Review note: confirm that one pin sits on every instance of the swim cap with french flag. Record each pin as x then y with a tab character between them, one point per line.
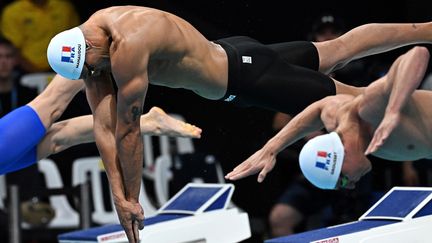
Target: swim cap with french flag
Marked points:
321	160
66	53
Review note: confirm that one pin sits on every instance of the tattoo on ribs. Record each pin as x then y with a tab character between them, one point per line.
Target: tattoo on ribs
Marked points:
136	113
414	26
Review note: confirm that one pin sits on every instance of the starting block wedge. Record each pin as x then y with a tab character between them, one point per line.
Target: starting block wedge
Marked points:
404	214
197	213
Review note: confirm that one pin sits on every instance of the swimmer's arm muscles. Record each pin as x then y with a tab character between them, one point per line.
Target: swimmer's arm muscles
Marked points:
100	95
307	121
401	84
129	69
130	98
404	77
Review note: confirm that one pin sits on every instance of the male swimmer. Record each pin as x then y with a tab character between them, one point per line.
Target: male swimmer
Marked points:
122	42
390	119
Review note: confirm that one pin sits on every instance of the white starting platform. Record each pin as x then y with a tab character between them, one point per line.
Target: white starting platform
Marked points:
197	213
404	214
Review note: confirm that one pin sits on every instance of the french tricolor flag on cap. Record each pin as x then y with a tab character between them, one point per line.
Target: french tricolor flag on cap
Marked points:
66	55
321	161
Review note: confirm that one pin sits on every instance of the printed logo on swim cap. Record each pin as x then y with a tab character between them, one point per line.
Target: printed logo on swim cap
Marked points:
322	160
68	54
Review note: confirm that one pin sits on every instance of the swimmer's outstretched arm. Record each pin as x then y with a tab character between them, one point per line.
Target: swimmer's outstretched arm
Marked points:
309	120
79	130
101	98
370	39
392	92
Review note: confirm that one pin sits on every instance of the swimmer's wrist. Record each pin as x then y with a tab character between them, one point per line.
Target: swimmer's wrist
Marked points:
272	147
118	197
392	110
132	199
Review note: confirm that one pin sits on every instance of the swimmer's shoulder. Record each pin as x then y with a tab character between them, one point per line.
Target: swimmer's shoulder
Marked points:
336	101
126	9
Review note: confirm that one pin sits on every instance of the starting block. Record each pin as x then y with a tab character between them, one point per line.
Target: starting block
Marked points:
404	214
197	213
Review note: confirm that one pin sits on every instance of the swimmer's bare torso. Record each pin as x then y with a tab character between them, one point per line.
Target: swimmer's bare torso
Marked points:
158	45
409	141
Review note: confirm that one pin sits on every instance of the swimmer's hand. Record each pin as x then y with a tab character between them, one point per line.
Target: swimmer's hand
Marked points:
131	216
383	131
263	160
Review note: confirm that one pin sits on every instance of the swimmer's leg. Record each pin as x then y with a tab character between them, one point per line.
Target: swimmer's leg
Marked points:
78	130
52	102
64	134
20	131
370	39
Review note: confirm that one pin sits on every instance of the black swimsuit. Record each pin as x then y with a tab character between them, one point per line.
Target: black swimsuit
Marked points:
282	77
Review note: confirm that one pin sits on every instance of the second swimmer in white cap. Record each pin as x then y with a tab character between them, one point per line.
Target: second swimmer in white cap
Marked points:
387	119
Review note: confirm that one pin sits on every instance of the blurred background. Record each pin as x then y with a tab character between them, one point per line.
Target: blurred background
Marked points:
231	134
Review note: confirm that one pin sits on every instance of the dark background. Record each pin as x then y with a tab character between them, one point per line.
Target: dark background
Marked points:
231	133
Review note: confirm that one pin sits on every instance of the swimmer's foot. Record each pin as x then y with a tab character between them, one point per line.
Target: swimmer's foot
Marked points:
157	122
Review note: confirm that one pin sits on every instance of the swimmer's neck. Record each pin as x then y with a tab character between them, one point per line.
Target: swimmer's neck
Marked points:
97	38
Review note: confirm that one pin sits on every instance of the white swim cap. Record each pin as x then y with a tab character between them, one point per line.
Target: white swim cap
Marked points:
66	53
321	160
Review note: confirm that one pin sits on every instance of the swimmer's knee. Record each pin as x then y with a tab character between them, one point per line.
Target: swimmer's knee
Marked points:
333	55
47	109
59	140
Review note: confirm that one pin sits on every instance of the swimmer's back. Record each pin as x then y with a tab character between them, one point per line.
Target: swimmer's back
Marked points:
128	22
179	55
